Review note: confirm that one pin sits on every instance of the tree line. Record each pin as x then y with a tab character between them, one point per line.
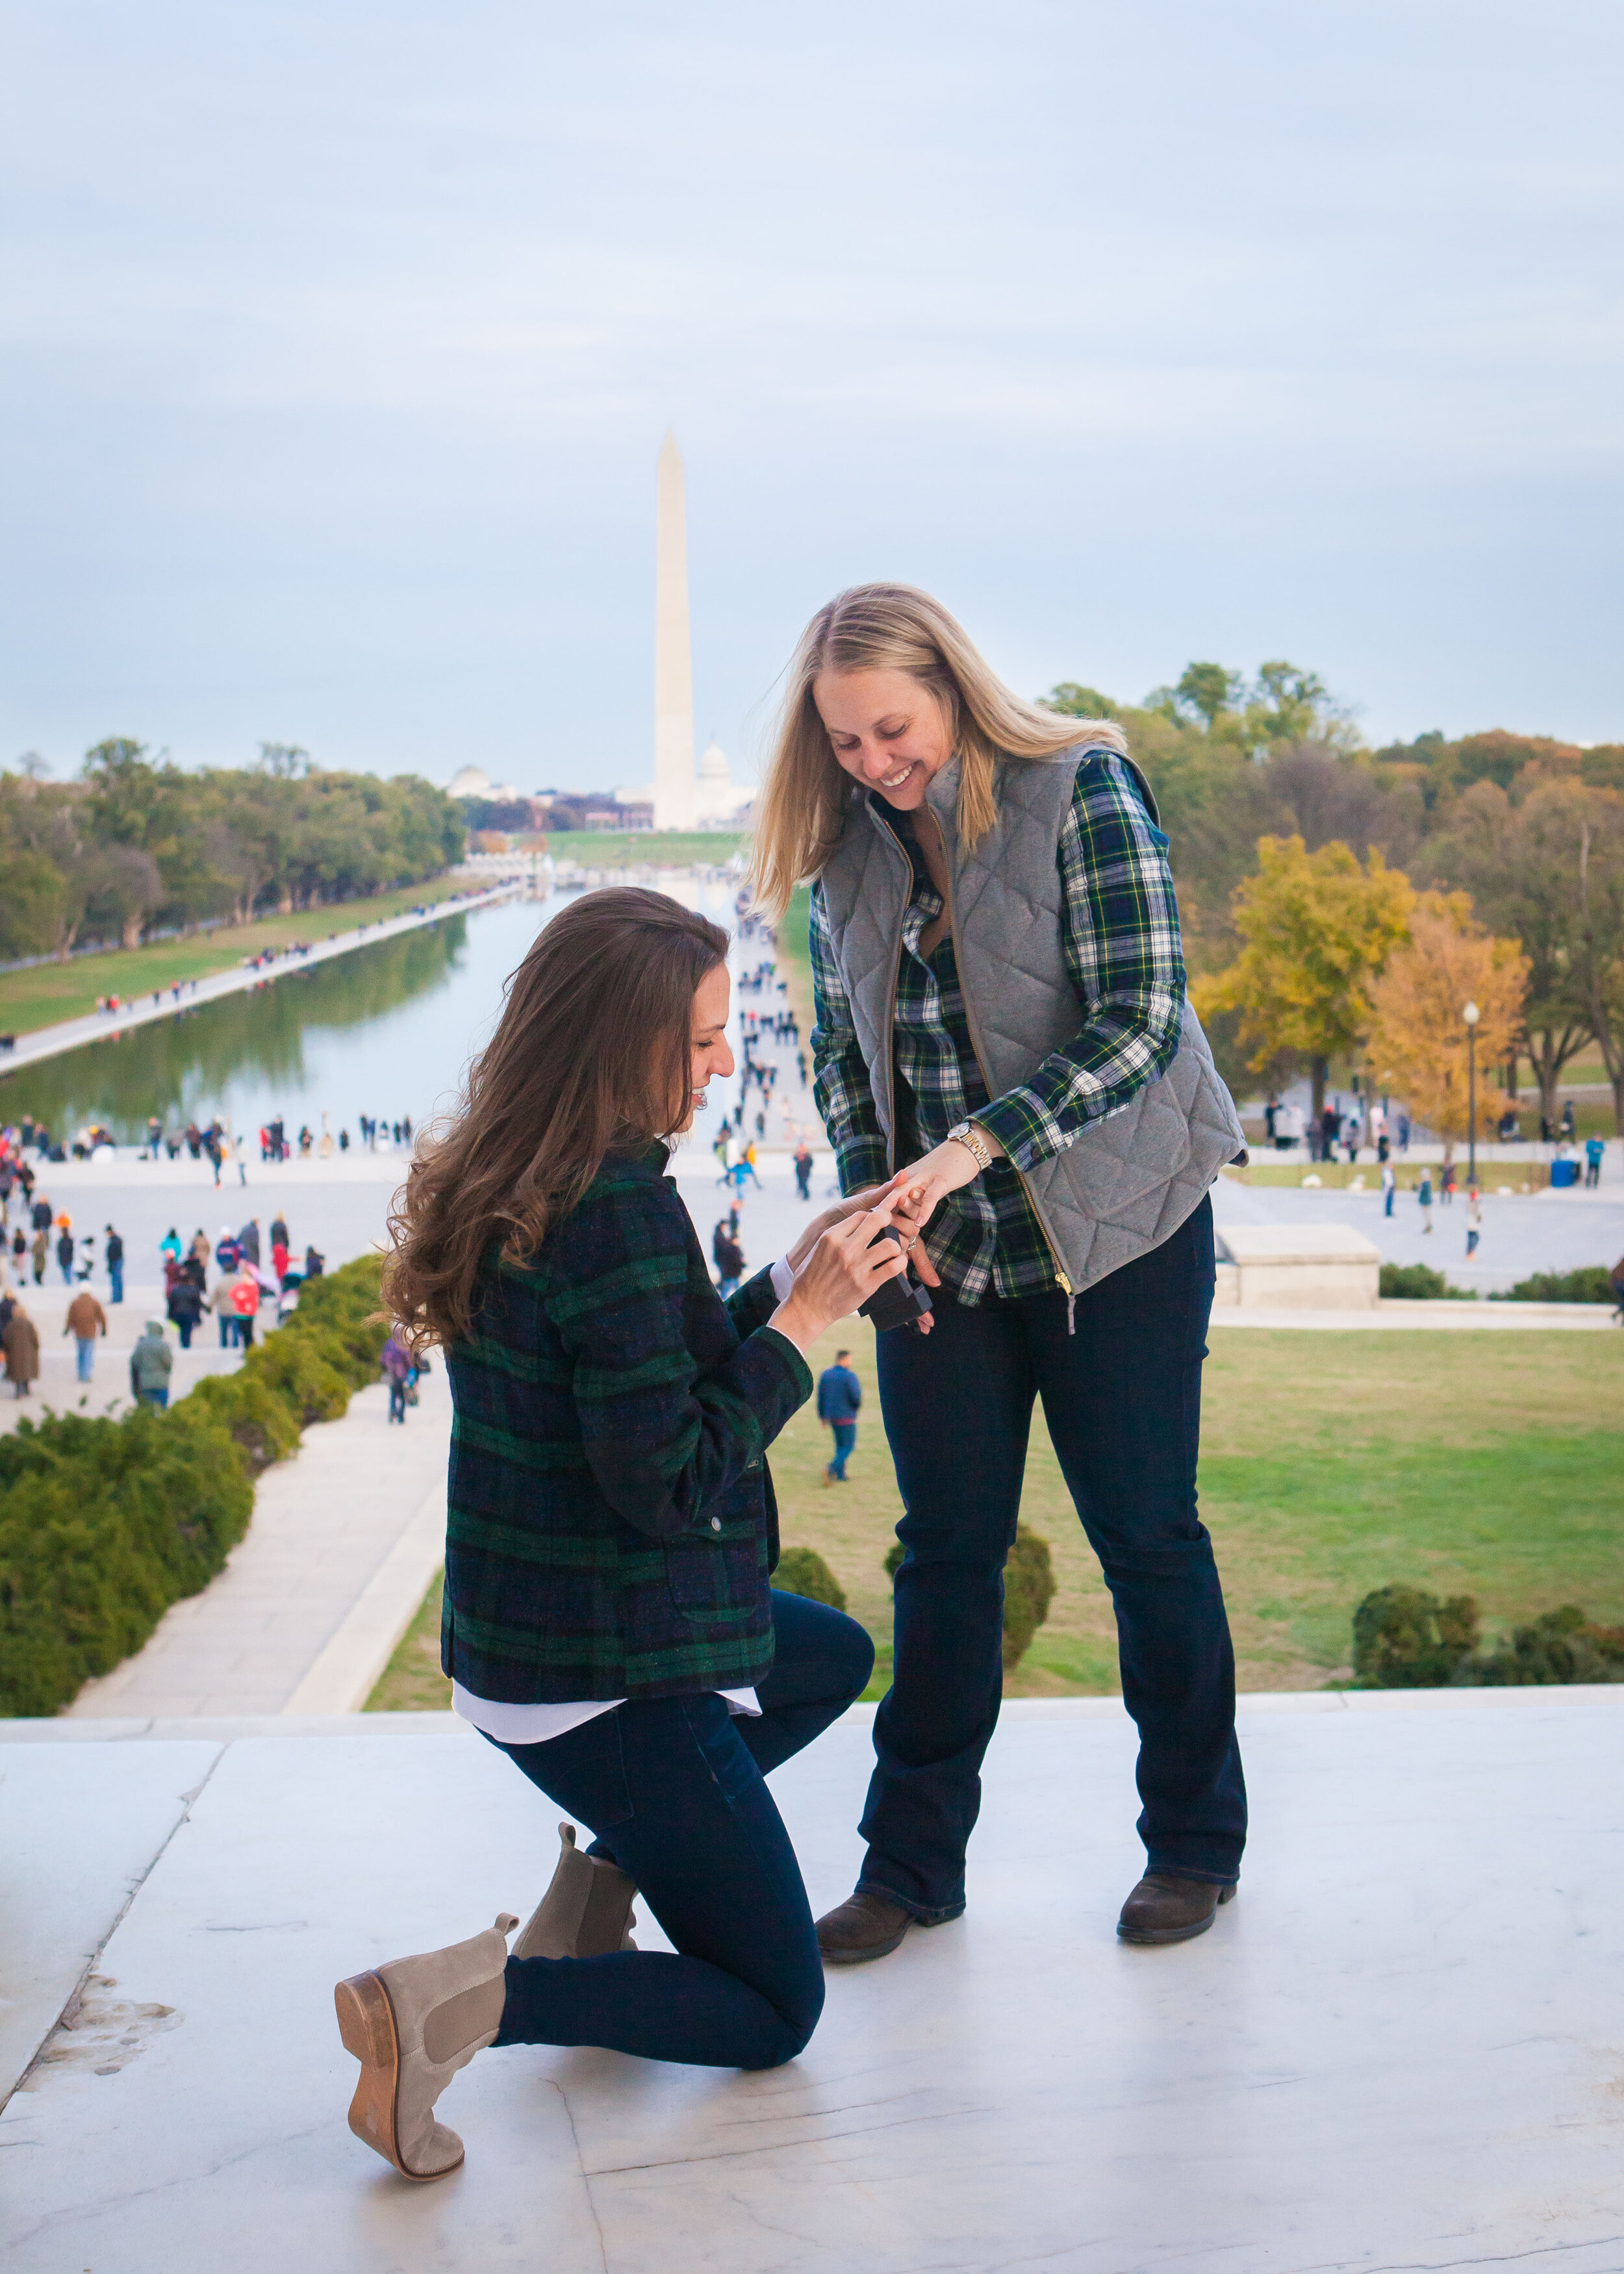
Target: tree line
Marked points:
137	845
1341	903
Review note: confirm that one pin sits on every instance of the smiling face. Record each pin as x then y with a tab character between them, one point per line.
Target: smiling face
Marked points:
708	1050
887	729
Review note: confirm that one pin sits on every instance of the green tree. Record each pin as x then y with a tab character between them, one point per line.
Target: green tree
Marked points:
1518	863
1317	930
1073	701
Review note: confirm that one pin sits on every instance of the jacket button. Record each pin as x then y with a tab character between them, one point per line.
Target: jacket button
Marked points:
715	1523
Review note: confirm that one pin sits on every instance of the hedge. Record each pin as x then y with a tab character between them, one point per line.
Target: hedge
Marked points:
1590	1283
802	1572
1419	1282
1404	1639
104	1523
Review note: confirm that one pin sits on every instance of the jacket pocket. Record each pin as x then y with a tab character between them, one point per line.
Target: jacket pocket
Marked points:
719	1581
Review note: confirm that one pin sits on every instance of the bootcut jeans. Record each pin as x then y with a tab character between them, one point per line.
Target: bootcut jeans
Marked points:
673	1788
1121	1398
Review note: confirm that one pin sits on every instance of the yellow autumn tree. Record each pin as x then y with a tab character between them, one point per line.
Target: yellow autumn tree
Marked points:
1417	1044
1318	928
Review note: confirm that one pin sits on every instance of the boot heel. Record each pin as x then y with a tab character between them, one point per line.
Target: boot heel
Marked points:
366	2024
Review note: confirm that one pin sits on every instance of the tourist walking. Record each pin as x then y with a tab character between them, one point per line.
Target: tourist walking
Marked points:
608	1620
64	1254
1595	1149
1389	1187
150	1364
85	1320
245	1303
729	1257
803	1171
39	1255
395	1360
115	1253
1061	1121
222	1303
840	1394
185	1305
1425	1197
21	1343
1474	1220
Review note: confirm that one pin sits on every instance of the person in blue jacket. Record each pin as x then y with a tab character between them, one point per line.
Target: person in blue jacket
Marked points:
840	1394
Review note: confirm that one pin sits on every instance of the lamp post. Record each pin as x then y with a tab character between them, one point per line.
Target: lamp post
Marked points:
1472	1015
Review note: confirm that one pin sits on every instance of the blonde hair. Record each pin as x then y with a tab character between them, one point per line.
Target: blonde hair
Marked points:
805	794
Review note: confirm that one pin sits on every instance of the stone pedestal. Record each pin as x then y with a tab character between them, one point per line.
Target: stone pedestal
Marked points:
1281	1267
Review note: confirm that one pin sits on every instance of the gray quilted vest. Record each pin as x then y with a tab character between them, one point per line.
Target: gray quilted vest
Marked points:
1128	1182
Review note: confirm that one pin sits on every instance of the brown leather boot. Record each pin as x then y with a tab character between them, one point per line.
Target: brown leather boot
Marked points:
866	1925
587	1910
1163	1909
412	2024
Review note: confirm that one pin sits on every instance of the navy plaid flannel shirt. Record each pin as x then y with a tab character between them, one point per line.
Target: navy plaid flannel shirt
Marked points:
1124	952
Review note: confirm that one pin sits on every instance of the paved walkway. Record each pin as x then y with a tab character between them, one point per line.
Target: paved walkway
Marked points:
345	1538
71	1034
1394	2050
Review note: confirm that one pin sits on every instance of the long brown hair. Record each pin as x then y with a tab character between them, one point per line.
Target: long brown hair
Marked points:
895	628
591	1055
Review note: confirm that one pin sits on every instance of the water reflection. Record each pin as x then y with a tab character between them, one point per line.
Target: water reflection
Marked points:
307	1044
385	1030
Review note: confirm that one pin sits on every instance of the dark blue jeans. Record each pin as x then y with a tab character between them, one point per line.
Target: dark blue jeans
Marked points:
1121	1398
673	1787
846	1440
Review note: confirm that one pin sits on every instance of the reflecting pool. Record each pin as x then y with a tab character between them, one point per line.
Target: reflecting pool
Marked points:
385	1030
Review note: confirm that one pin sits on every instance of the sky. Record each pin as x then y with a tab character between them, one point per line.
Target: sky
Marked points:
339	339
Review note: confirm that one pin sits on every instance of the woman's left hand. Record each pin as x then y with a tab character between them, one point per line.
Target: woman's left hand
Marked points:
920	1190
907	1218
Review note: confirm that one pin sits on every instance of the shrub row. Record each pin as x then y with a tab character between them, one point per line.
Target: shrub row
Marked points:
1590	1283
1419	1282
1404	1639
104	1523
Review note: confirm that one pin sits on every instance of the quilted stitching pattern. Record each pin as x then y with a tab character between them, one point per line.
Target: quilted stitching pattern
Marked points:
1127	1183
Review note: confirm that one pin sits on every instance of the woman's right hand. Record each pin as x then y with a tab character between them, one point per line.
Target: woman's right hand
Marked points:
849	1263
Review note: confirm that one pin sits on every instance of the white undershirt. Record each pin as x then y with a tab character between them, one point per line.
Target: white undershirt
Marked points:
535	1725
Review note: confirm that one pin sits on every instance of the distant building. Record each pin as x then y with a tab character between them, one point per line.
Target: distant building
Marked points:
474	782
718	802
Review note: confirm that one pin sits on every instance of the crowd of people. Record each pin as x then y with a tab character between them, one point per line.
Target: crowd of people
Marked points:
249	1271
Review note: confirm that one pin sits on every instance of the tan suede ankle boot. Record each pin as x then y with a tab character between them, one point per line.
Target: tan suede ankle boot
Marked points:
412	2024
587	1910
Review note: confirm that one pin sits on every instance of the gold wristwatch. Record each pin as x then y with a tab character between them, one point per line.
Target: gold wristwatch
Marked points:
967	1135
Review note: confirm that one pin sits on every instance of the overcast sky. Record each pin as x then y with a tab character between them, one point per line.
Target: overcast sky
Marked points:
341	338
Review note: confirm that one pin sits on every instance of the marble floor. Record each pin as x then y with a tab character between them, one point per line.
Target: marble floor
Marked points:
1402	2048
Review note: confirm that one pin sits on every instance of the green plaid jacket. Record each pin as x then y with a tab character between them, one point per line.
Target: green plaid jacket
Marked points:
612	1522
1124	952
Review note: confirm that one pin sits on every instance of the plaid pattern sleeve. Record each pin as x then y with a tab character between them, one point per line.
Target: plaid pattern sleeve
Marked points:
839	1077
665	1439
1120	925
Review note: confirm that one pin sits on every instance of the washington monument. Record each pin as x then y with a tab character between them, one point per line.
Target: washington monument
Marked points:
674	654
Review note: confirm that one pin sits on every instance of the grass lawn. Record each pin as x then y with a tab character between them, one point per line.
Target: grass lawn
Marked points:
48	992
646	848
1486	1465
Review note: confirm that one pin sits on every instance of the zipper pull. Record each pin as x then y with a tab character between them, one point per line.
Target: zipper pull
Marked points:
1065	1289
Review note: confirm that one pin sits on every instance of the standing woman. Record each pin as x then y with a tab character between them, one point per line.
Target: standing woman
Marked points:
608	1624
1002	1021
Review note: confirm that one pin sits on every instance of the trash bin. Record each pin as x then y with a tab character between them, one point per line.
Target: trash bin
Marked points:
1564	1172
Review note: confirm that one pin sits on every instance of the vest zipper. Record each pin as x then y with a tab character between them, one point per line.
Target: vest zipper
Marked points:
1042	1221
890	1006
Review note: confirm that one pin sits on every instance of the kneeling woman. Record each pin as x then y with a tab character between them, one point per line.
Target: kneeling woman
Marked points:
608	1621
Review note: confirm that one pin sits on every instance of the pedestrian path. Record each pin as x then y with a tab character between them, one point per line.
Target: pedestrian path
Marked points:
345	1538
